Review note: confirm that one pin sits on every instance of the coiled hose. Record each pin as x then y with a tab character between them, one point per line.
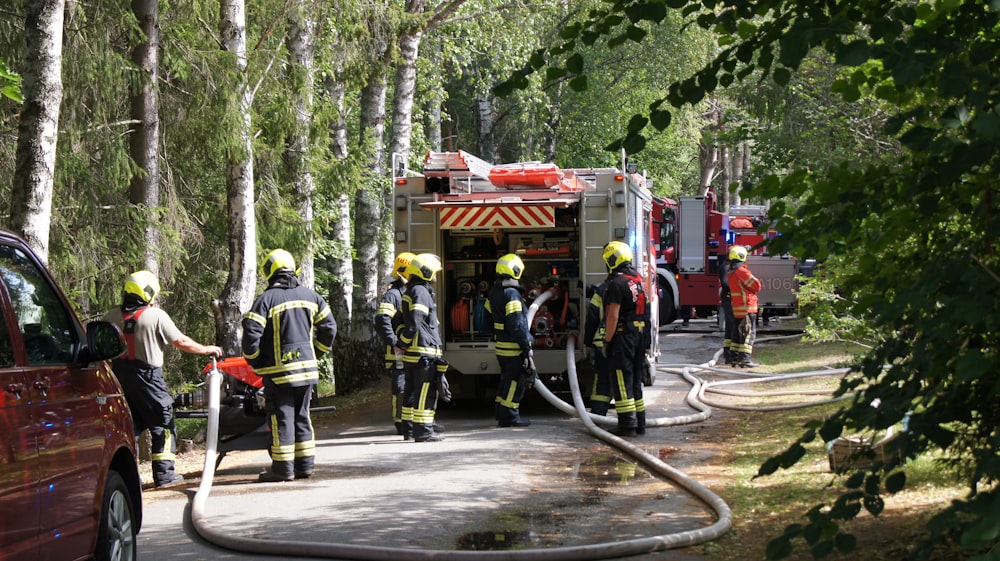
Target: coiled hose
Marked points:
695	398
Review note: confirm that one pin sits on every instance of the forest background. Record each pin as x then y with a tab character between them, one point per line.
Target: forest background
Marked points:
189	137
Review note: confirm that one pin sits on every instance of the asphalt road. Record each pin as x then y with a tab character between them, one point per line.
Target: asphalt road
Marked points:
483	488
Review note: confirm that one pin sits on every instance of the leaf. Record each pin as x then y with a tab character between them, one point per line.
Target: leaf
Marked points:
769	466
895	482
845	543
779	548
574	63
854	53
855	480
873	504
830	430
579	84
537	59
781	76
660	119
634	143
635	33
637	123
553	73
822	549
649	11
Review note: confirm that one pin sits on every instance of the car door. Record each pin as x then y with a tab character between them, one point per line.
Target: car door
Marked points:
19	507
66	414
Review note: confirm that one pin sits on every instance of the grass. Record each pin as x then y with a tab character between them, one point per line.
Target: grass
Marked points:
764	506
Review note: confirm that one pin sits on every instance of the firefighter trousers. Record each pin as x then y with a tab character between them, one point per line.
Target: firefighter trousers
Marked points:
421	389
626	362
152	408
730	330
397	382
510	392
746	332
600	394
293	444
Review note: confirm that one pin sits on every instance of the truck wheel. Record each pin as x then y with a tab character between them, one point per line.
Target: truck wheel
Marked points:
667	311
116	536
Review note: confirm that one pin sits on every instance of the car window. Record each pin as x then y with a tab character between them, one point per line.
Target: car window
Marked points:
41	316
6	345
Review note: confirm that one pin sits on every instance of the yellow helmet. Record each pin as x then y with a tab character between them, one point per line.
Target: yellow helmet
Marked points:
424	265
402	264
142	284
277	260
617	254
737	253
510	265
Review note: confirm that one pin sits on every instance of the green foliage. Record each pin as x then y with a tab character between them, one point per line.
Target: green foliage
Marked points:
911	231
10	83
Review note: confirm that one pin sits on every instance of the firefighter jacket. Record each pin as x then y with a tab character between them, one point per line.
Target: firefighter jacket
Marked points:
624	287
744	288
593	332
389	319
419	334
285	332
510	318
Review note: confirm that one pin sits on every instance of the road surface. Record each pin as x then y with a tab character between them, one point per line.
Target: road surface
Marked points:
483	488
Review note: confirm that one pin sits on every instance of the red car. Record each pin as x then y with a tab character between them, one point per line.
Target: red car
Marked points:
69	480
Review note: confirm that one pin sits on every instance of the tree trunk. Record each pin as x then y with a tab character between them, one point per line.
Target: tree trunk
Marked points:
484	136
339	264
725	177
300	44
144	139
238	293
38	130
368	210
402	101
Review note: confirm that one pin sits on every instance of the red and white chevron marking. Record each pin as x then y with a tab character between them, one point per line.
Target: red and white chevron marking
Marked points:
489	217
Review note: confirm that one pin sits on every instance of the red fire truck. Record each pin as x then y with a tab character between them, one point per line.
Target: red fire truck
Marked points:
692	236
470	212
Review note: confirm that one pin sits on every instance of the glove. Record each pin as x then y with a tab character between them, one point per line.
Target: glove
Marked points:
528	354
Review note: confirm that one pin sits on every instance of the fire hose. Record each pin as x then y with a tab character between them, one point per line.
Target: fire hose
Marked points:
695	398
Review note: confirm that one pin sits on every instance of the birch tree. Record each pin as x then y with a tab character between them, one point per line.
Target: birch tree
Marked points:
238	293
31	196
300	44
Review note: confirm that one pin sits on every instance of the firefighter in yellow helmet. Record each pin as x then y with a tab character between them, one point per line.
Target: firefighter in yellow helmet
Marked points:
148	329
743	289
512	337
626	337
388	322
420	339
285	332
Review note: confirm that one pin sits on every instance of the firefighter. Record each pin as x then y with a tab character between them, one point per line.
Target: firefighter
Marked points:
626	337
148	329
728	320
285	332
513	340
420	340
593	337
743	288
388	320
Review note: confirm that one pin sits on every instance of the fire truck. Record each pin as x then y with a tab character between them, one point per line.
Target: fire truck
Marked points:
470	212
692	235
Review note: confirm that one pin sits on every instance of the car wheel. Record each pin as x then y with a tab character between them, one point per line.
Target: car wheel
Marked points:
116	537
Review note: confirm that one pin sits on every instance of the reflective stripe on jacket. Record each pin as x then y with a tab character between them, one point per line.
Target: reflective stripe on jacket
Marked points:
288	328
419	334
743	288
510	318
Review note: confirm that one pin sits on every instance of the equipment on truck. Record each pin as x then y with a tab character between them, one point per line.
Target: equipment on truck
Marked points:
471	212
693	236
